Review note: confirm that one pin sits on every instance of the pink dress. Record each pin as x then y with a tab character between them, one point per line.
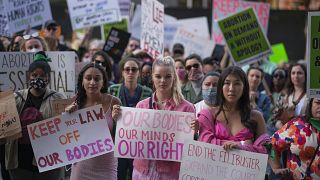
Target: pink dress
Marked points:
102	167
216	133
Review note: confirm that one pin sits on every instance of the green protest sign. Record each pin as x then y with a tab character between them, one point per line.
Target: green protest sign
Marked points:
106	28
279	54
313	54
244	37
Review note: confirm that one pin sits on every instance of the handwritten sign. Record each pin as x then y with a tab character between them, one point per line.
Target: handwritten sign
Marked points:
313	54
152	27
116	43
205	161
152	134
70	138
84	13
14	71
223	8
59	105
244	37
19	15
193	43
10	127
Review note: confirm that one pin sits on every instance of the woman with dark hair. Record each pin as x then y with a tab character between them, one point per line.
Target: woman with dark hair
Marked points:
300	138
30	102
181	71
146	79
91	84
130	93
294	101
105	61
15	43
279	77
232	123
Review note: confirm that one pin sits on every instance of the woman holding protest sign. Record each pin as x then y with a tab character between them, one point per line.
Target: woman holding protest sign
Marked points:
130	93
232	124
33	104
92	82
301	138
167	96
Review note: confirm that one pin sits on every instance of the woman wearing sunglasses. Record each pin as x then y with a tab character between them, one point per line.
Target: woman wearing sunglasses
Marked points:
130	93
33	43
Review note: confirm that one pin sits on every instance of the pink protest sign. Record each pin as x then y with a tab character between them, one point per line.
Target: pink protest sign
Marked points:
223	8
152	134
70	138
204	161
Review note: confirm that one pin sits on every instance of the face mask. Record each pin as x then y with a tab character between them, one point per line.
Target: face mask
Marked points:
209	95
33	50
182	74
38	83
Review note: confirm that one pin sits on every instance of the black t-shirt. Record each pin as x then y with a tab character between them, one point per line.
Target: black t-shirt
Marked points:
25	152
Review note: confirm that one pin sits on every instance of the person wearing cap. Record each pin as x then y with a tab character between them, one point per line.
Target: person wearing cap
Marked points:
37	98
50	30
177	50
192	89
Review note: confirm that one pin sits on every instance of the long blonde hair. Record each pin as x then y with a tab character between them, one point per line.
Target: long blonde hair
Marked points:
176	90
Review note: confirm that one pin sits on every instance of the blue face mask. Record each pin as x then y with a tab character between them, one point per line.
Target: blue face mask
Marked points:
209	95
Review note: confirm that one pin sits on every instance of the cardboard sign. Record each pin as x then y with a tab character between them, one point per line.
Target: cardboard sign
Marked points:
313	55
122	25
14	71
70	138
152	27
116	43
244	37
205	161
279	54
10	127
59	105
19	15
193	43
92	13
152	134
223	8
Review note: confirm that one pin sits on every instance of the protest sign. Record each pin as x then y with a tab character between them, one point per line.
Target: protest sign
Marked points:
279	54
152	134
4	25
244	37
124	7
20	15
14	71
135	23
59	105
10	127
222	8
205	161
70	138
313	55
193	43
116	43
152	27
122	25
93	13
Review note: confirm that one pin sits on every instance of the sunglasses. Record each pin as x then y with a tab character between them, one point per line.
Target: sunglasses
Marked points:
134	70
196	66
280	76
29	36
51	28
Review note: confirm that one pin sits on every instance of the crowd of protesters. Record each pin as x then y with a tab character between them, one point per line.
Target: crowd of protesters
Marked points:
261	108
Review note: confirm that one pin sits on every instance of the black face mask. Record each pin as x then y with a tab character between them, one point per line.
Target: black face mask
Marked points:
38	83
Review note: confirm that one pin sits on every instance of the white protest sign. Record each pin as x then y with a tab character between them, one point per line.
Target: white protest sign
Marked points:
152	27
197	25
124	7
193	43
70	138
222	8
4	25
135	23
88	13
152	134
205	161
14	69
23	14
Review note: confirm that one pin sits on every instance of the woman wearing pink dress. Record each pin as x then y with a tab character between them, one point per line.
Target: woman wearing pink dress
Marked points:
92	82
